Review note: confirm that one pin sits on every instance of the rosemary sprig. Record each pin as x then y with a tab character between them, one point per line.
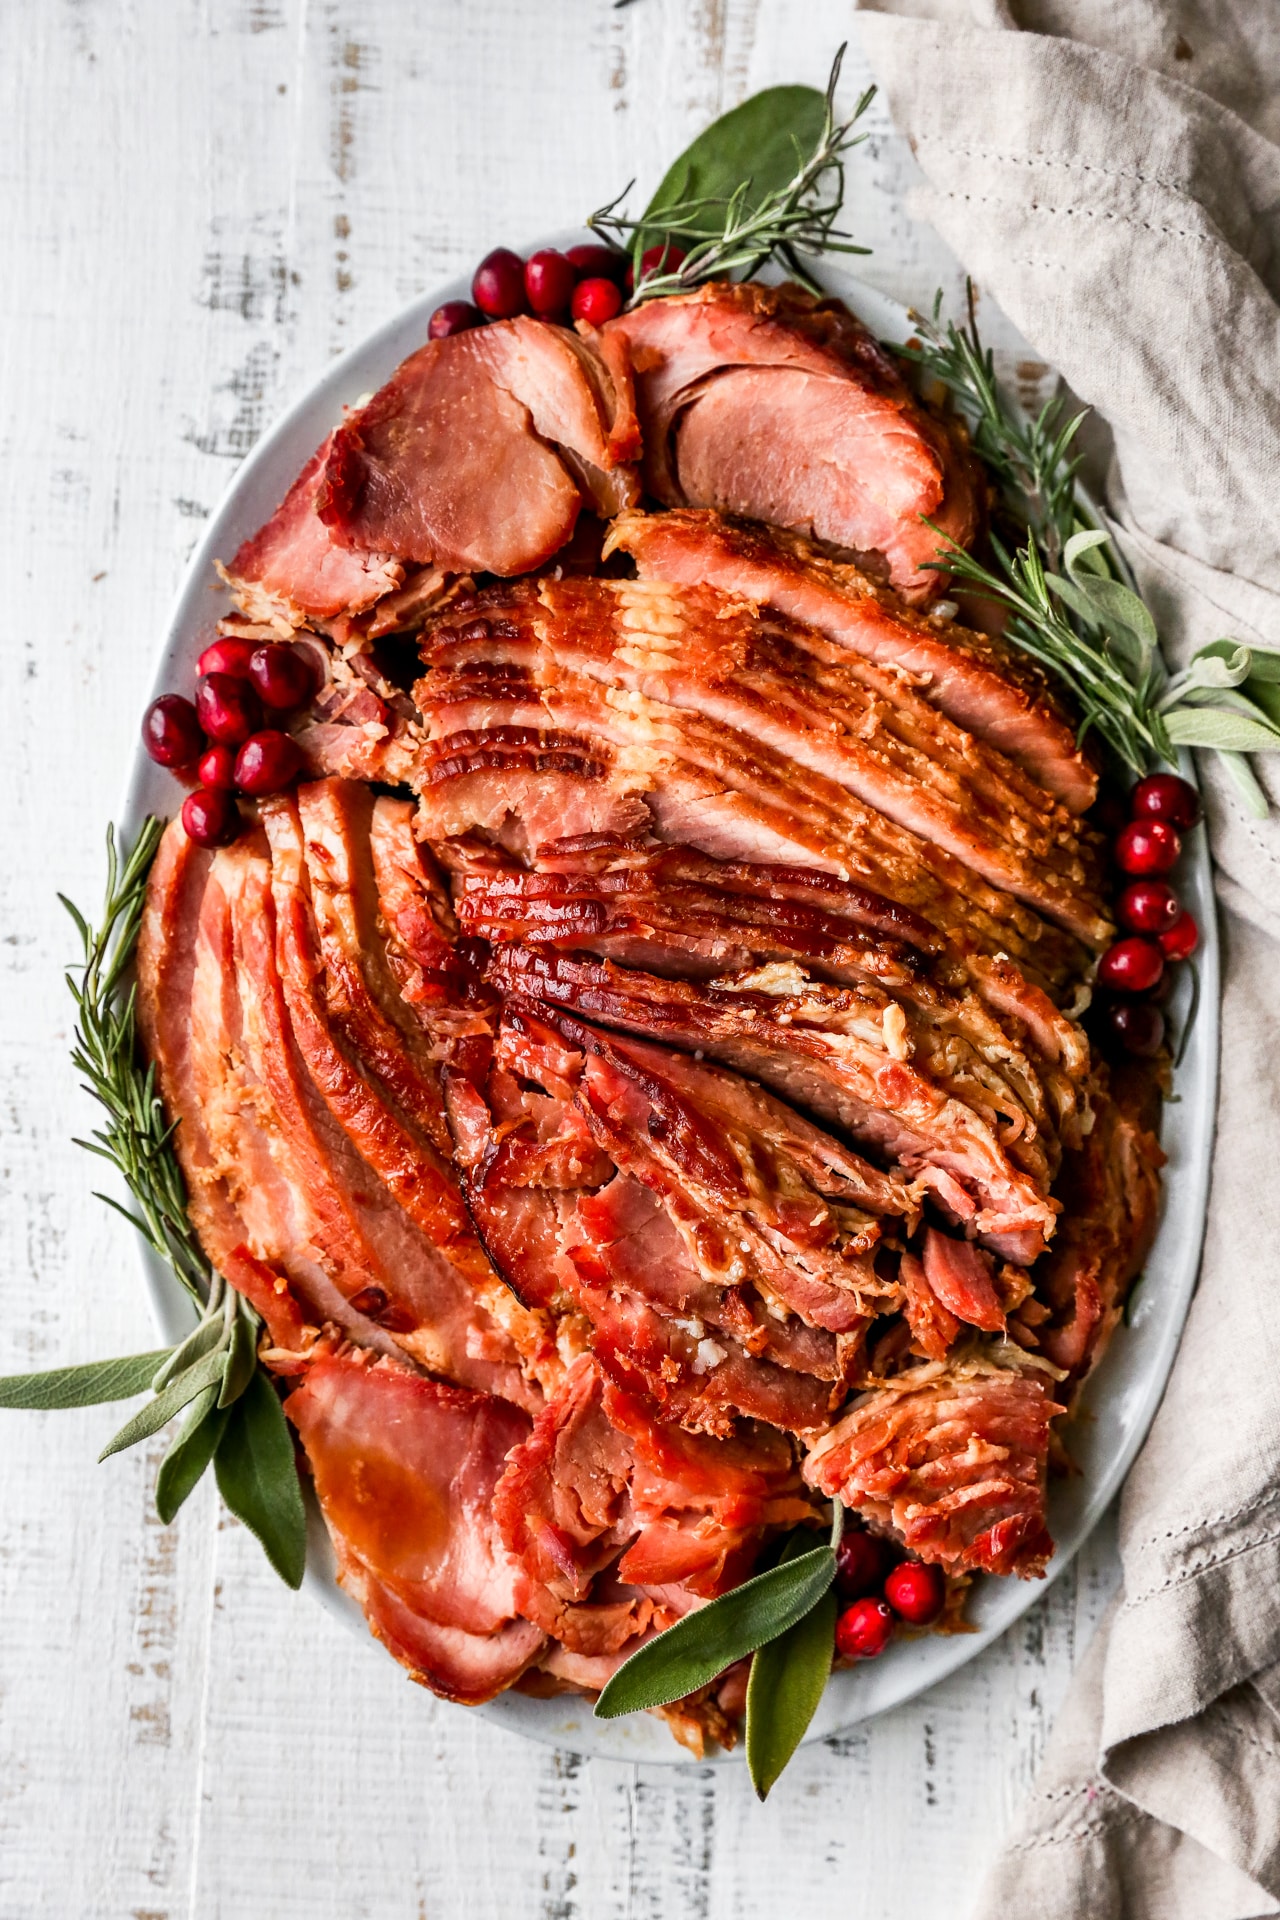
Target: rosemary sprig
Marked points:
235	1418
736	233
1070	609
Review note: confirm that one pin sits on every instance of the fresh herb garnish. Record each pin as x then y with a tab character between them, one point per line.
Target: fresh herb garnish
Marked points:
764	181
235	1418
765	1612
1070	609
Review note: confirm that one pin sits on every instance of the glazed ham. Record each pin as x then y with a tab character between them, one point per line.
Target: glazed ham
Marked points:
405	1470
950	1459
992	692
768	402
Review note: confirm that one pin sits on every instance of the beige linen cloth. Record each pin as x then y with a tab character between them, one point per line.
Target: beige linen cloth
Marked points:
1110	170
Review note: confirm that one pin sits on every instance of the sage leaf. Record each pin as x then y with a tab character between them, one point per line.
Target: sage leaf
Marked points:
192	1450
159	1412
86	1386
1109	604
788	1678
1207	673
1086	540
1264	661
1228	731
759	144
199	1341
242	1358
1247	785
698	1648
258	1477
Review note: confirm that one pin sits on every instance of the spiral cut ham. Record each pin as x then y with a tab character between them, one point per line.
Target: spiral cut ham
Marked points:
637	1075
768	402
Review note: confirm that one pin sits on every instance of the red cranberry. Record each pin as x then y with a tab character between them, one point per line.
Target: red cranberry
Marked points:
596	301
283	677
859	1564
1180	941
1131	966
1163	796
171	731
267	762
916	1592
596	262
229	709
660	259
227	656
1147	846
210	817
217	768
864	1630
1138	1026
498	287
455	316
548	283
1148	906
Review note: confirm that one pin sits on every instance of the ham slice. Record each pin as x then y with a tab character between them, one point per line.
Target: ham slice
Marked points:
477	453
405	1470
293	570
993	692
767	402
950	1458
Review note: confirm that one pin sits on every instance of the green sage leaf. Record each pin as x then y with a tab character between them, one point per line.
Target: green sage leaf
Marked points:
1228	731
699	1648
788	1678
242	1357
86	1386
1246	783
199	1341
1264	661
756	146
192	1450
1086	540
258	1477
159	1412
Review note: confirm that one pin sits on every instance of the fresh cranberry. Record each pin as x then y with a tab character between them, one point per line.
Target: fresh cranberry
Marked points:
227	656
1163	796
455	316
660	259
217	768
498	287
864	1630
548	283
1138	1026
229	709
1148	906
1131	966
597	263
210	817
596	301
1147	846
283	677
916	1592
171	731
859	1564
267	762
1180	941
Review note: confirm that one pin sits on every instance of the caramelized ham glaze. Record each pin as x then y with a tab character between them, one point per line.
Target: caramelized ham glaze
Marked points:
768	402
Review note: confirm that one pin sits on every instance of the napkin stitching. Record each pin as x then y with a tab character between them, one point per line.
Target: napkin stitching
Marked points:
1201	1564
1100	213
1256	1501
1041	158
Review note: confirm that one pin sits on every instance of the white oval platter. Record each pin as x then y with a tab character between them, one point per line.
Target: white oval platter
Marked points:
1121	1399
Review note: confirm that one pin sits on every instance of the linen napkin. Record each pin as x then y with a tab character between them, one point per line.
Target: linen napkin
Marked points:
1109	170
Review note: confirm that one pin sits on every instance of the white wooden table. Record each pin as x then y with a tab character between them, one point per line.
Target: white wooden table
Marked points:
202	201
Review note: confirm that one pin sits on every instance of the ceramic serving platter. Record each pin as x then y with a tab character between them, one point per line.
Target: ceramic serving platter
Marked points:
1122	1396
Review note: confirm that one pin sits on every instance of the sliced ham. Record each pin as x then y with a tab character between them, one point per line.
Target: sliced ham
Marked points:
950	1458
993	692
478	451
405	1470
768	402
293	570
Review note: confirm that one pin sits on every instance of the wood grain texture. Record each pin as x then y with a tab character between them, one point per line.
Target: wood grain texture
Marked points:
204	200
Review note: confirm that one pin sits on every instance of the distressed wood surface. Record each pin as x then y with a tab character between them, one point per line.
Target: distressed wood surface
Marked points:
204	200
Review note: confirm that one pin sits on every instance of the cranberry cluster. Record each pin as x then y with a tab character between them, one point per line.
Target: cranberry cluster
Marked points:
224	737
585	283
881	1594
1135	968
